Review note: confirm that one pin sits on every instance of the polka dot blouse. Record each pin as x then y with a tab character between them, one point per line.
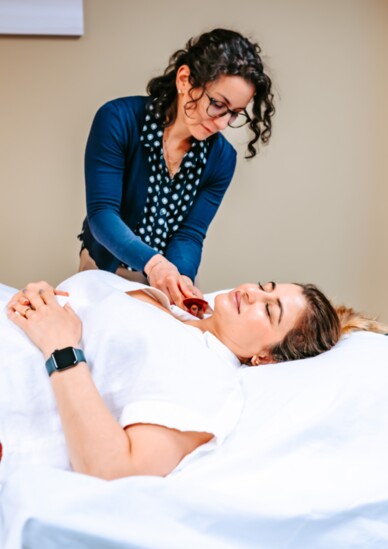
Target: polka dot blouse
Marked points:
169	199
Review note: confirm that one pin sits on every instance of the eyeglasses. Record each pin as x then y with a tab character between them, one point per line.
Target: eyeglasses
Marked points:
216	109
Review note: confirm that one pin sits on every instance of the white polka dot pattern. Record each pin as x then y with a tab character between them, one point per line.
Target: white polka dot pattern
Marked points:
168	199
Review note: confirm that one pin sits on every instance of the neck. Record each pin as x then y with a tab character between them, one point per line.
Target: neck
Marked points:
204	324
176	143
207	325
177	135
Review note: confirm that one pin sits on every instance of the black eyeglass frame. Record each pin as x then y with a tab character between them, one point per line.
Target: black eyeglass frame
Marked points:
233	114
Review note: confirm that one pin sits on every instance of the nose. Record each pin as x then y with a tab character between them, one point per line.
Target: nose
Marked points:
222	121
254	293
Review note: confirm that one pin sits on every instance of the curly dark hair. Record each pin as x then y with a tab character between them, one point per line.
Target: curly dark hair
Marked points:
318	329
220	52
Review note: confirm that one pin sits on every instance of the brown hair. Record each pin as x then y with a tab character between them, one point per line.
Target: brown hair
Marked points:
219	52
320	328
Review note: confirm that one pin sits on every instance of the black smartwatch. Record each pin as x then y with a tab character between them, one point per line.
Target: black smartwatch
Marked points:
63	359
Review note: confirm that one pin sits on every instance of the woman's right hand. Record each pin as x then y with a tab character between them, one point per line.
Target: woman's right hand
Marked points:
163	274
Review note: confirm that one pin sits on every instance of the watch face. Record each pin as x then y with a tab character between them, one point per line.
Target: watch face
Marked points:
64	358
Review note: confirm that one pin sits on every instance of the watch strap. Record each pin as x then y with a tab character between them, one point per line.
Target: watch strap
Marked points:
56	362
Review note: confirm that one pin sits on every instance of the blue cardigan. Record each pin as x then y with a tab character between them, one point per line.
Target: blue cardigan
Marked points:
117	172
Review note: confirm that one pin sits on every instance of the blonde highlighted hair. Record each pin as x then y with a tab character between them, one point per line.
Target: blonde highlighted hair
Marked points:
351	320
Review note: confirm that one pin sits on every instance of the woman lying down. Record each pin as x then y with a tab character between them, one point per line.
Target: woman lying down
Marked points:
116	382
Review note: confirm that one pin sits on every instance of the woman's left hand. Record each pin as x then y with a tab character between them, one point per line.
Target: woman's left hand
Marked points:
49	325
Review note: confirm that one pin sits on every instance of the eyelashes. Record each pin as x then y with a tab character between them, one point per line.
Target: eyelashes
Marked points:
273	286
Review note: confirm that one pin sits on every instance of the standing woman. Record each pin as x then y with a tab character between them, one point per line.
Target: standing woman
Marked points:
157	167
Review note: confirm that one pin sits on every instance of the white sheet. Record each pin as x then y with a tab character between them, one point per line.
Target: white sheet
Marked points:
305	468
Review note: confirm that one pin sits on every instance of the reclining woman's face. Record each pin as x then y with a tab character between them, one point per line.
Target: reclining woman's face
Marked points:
252	318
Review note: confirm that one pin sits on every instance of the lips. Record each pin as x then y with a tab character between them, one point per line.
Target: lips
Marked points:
207	129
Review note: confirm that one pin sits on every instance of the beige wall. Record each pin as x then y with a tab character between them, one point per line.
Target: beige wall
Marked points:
311	207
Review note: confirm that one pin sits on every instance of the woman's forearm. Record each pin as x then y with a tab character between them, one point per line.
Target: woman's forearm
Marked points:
111	232
97	444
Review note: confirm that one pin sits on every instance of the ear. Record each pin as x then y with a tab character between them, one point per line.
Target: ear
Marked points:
182	79
259	360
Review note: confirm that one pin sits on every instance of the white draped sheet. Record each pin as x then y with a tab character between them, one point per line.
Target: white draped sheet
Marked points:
305	468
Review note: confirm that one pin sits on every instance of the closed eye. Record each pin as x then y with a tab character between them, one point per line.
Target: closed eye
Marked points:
271	288
218	104
268	287
221	106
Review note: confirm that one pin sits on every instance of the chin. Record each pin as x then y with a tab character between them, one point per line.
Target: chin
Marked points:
200	133
220	300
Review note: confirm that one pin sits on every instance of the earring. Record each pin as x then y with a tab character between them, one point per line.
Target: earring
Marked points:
179	92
